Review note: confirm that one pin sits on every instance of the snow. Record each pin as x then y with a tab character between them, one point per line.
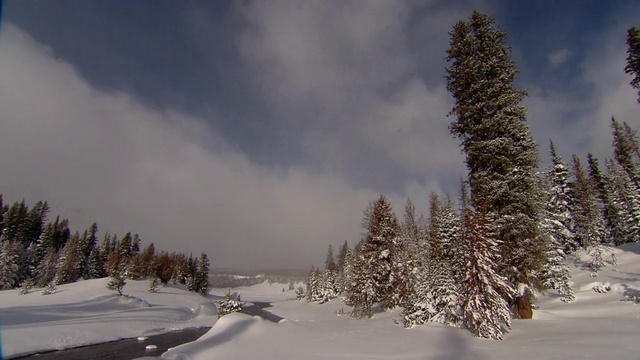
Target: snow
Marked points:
595	326
86	312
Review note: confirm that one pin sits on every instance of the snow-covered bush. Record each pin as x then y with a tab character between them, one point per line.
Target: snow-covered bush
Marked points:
49	289
25	286
231	303
154	282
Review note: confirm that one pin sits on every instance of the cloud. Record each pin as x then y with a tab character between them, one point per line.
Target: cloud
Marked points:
105	157
346	82
559	57
577	117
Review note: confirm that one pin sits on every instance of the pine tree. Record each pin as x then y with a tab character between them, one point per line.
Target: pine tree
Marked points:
192	280
623	151
557	210
633	58
615	227
70	263
624	204
375	261
61	233
8	266
448	235
202	276
46	270
444	290
484	307
553	231
345	277
417	307
342	256
362	293
632	138
588	217
85	247
154	282
95	265
501	154
15	223
115	269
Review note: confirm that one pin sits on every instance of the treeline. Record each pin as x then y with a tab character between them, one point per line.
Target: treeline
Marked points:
35	252
480	262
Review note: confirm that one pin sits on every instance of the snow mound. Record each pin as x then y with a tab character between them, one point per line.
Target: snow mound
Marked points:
225	330
208	309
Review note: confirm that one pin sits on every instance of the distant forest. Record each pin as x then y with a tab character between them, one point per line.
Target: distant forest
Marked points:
36	252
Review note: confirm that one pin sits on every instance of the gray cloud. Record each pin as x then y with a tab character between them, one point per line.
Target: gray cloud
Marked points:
580	124
105	157
559	57
344	77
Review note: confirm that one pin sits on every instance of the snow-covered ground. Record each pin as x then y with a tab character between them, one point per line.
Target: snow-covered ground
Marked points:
595	326
87	313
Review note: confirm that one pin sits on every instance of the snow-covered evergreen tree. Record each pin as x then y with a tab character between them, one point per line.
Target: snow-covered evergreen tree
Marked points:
485	309
231	303
202	277
501	154
95	265
313	285
154	282
8	266
375	260
625	203
623	144
633	58
70	262
448	235
417	307
444	293
46	270
115	269
615	226
588	216
362	293
558	203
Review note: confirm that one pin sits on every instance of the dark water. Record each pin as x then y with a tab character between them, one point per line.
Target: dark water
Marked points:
257	309
125	349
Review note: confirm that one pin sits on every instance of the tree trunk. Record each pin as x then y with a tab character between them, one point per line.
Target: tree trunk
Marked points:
524	309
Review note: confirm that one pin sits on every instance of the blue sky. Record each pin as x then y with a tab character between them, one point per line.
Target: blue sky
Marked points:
258	131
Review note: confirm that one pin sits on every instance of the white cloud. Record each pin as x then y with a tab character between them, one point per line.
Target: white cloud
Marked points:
105	157
559	57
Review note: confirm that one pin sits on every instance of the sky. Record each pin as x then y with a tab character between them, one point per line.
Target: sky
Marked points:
258	131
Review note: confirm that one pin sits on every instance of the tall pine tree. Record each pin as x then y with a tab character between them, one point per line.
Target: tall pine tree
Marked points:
501	154
633	58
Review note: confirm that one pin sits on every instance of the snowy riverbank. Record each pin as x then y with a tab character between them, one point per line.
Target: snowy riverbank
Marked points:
597	325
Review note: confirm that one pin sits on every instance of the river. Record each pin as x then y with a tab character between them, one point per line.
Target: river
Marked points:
127	349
